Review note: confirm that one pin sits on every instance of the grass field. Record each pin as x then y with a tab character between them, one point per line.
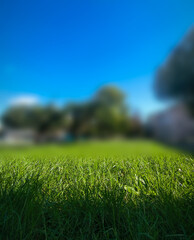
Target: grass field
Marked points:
96	190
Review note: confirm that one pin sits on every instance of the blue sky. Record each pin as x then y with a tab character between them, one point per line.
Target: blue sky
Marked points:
62	50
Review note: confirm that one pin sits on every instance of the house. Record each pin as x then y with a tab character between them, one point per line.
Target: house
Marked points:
55	136
18	136
174	126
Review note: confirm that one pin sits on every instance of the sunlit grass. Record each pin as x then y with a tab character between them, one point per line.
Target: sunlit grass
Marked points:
96	190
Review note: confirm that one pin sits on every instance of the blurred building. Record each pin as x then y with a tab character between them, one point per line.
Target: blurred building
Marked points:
174	126
30	136
52	136
18	136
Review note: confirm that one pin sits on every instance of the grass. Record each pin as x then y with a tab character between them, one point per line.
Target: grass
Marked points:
97	190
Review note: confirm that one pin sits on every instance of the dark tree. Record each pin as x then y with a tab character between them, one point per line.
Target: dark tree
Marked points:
41	119
175	78
102	116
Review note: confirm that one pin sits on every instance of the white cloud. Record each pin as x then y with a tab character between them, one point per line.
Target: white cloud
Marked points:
26	100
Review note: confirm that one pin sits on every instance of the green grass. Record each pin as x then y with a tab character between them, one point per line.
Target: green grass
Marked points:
97	190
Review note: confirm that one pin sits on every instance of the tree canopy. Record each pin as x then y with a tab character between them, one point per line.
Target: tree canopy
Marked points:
37	117
175	78
105	114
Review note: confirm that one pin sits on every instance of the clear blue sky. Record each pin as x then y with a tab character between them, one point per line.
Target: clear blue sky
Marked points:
61	50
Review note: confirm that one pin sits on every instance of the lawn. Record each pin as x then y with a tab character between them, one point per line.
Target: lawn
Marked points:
96	190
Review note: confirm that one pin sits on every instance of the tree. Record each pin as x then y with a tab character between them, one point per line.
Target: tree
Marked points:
41	119
175	78
102	116
110	95
110	111
18	117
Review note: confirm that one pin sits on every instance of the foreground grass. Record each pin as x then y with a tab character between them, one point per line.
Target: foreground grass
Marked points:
112	190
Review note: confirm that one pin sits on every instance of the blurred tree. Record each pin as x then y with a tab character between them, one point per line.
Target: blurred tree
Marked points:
110	112
18	117
50	119
39	118
103	116
110	95
175	78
